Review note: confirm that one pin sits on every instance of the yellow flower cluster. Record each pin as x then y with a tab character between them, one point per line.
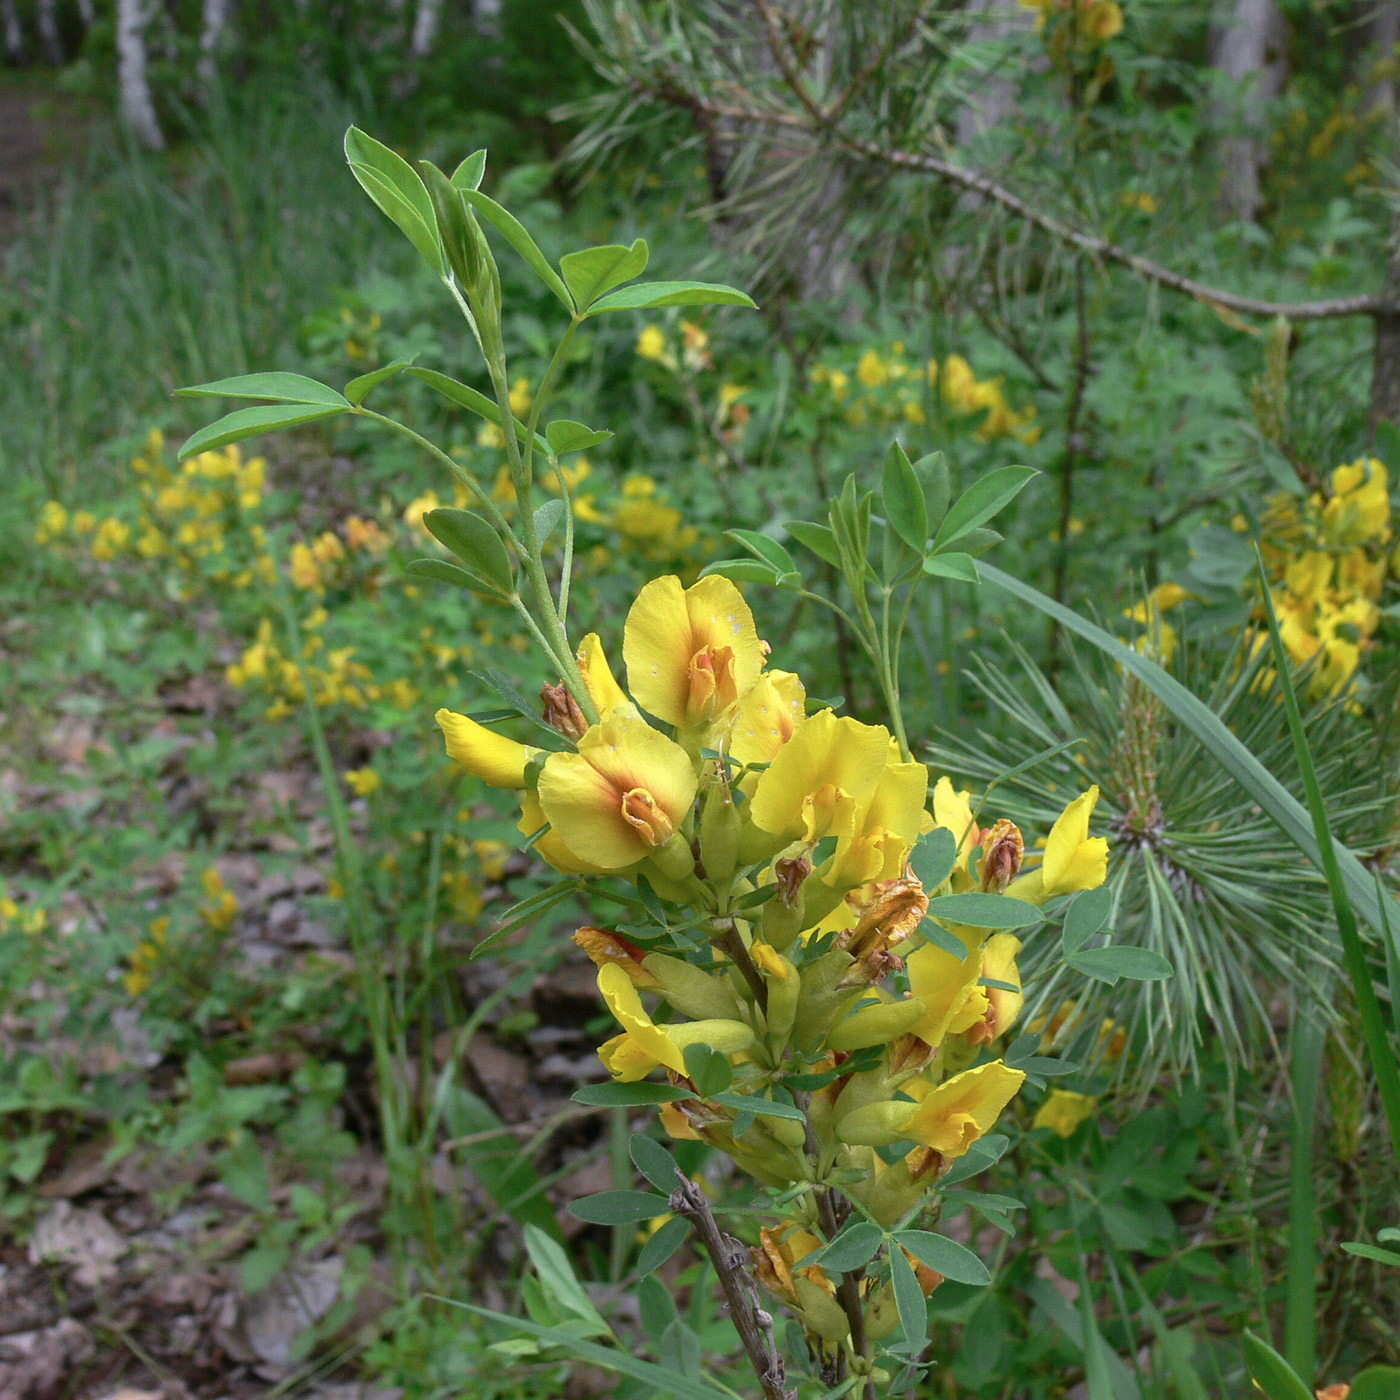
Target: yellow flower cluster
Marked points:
146	957
328	559
789	836
1091	22
891	387
203	516
32	920
1328	560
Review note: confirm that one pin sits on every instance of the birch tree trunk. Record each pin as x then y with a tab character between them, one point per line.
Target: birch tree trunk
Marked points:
425	28
47	20
85	13
215	18
1251	48
138	110
1384	36
14	35
995	98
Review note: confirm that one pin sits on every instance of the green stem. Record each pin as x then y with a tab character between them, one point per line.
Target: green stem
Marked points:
465	477
1300	1321
889	678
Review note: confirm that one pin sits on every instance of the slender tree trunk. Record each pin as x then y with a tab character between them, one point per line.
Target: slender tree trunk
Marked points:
47	20
85	13
993	97
1384	36
1250	48
1385	370
215	19
425	28
138	110
14	35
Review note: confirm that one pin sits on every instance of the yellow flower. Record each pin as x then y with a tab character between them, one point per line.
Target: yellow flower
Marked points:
220	904
1103	21
643	1045
871	370
1063	1111
625	793
363	781
112	537
493	758
418	508
651	345
302	566
547	845
520	399
1002	1007
1360	506
947	1119
692	654
1073	859
53	520
84	522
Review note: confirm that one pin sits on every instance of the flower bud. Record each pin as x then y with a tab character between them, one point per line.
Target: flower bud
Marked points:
784	984
874	1025
720	825
673	858
562	713
821	1001
820	1312
1003	848
691	990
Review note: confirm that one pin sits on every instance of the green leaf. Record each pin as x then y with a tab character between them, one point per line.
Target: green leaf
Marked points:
818	538
657	1379
977	542
752	1103
356	389
468	397
618	1207
647	295
591	272
905	510
1087	913
910	1301
742	571
984	910
475	542
440	571
763	548
1376	1383
962	567
709	1071
393	184
498	1161
1120	963
951	1259
853	1248
1273	1375
1217	739
547	518
514	232
275	384
933	857
1371	1251
557	1275
941	938
654	1162
260	1266
613	1095
564	435
666	1240
467	176
932	471
982	500
249	422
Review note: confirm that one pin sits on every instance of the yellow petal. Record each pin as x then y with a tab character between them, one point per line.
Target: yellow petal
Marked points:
953	812
945	984
815	783
624	793
1064	1110
598	677
766	719
549	847
955	1114
490	756
1073	861
626	1006
692	654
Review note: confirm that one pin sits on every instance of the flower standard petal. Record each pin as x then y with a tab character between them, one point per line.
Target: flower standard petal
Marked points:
649	1039
598	677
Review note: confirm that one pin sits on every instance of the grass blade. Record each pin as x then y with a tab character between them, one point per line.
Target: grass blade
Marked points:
1373	1027
1300	1320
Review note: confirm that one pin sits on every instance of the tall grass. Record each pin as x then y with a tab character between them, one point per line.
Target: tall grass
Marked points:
143	272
